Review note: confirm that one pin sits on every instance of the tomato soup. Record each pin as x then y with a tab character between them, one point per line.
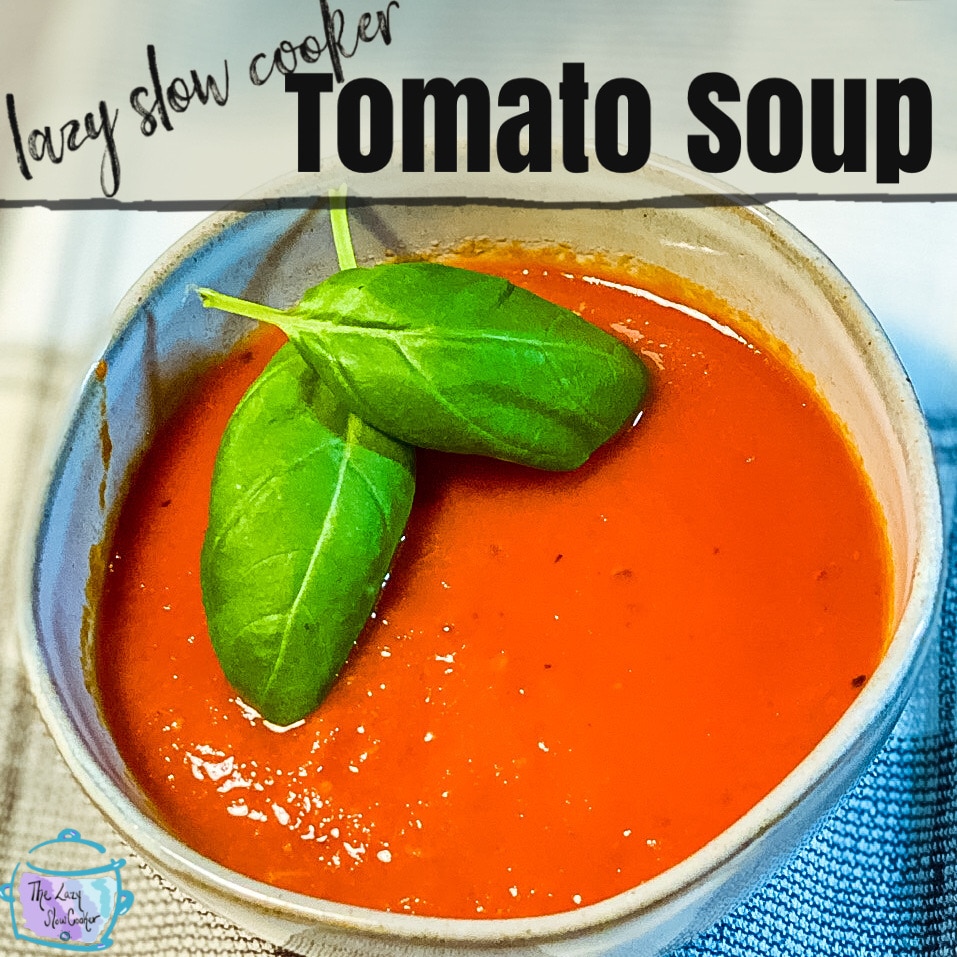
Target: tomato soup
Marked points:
572	681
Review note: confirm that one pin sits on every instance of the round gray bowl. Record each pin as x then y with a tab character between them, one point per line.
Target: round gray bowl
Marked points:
665	215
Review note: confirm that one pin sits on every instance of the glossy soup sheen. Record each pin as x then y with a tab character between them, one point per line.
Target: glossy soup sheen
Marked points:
572	681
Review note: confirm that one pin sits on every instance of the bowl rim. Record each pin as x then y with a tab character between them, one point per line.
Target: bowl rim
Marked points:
906	648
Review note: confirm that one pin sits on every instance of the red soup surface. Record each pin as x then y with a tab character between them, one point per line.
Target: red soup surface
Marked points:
572	680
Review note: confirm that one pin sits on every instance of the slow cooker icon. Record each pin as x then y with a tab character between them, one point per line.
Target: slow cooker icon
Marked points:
65	895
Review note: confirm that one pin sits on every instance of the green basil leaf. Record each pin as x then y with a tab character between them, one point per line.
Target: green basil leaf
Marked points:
308	504
447	358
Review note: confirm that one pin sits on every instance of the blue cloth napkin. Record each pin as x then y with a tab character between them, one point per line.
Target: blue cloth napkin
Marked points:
879	879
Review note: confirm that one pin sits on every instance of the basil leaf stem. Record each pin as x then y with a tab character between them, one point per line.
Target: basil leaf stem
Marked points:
341	234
